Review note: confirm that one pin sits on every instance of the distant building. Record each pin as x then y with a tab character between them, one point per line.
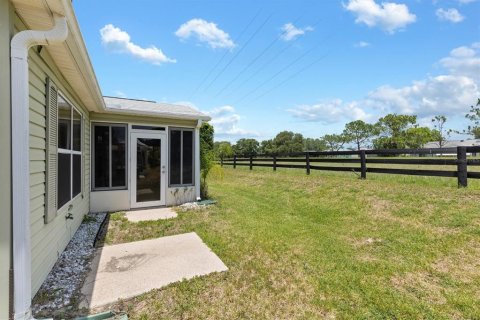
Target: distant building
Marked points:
454	143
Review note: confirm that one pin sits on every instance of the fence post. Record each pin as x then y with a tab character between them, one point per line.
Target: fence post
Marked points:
307	160
235	162
462	167
274	163
363	164
251	162
221	161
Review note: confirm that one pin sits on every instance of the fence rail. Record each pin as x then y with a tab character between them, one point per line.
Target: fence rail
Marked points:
308	161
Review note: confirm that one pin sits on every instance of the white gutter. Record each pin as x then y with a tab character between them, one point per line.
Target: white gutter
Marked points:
197	160
19	46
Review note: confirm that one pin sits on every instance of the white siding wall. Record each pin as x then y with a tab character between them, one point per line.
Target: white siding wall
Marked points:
49	240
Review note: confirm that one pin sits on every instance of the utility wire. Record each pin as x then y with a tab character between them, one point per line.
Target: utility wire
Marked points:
265	50
238	52
272	60
224	55
248	66
279	72
291	77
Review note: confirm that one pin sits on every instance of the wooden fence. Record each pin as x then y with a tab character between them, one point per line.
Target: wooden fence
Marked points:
357	161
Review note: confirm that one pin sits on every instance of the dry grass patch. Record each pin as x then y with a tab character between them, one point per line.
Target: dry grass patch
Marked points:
463	265
420	285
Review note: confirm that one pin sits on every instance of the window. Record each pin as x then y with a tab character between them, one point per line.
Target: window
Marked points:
109	156
181	157
69	157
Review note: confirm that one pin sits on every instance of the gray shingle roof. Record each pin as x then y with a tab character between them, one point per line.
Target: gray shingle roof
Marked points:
145	107
454	143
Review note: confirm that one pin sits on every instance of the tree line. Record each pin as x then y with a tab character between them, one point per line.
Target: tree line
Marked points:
393	131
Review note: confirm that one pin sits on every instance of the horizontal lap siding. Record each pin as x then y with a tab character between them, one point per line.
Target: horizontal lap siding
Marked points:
49	240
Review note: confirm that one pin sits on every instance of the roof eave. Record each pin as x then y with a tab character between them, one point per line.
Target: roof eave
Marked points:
168	115
71	56
85	58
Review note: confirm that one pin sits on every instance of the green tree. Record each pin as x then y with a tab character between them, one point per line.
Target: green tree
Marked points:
474	116
223	149
360	132
246	147
417	137
311	144
267	147
392	130
335	142
207	156
439	125
288	142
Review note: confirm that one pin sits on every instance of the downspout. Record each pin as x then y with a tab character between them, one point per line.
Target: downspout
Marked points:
197	160
19	46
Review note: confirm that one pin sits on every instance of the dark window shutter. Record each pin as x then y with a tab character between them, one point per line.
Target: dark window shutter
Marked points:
51	145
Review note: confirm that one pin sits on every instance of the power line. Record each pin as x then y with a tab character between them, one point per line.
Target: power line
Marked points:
238	52
270	45
275	57
291	77
280	72
224	55
248	66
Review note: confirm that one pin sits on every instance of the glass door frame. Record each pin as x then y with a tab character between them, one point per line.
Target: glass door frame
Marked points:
133	168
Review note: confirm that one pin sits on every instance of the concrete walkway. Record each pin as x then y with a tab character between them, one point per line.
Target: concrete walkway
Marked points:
150	214
126	270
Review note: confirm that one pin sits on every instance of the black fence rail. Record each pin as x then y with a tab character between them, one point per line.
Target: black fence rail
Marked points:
356	161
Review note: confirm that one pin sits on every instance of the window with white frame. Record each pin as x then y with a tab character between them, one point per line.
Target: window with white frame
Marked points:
69	170
181	157
109	156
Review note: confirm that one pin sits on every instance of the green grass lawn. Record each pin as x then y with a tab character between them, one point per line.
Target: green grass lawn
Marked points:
326	245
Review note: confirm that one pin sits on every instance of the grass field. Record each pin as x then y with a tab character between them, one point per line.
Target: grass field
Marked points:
326	245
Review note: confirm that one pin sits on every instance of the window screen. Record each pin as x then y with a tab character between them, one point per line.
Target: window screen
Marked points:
181	157
110	156
187	159
175	156
69	152
102	156
119	151
63	192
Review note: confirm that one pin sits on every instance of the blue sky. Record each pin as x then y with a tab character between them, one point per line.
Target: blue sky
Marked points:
305	66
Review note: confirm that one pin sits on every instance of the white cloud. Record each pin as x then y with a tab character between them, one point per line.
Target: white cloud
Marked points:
389	16
206	32
450	94
451	15
120	94
446	94
466	1
225	120
120	40
329	112
186	103
362	44
290	32
464	61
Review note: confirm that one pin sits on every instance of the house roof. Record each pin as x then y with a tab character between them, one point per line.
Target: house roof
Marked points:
147	107
454	143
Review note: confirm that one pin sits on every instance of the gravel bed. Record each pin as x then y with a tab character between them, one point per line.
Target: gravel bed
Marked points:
61	288
191	206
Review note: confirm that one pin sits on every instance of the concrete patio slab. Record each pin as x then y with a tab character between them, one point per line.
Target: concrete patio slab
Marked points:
150	214
126	270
